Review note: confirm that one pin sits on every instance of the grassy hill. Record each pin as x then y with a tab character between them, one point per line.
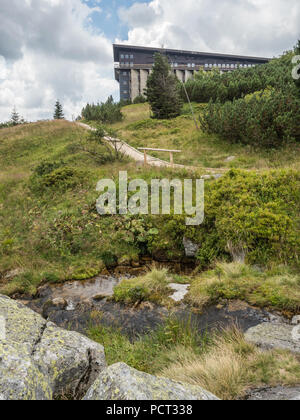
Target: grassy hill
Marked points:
198	149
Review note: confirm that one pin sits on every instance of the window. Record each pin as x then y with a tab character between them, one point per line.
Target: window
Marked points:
131	64
189	64
193	65
125	82
125	92
175	64
206	65
126	56
131	56
122	56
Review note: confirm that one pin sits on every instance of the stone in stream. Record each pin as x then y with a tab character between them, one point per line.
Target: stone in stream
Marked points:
275	336
121	382
190	248
39	361
180	291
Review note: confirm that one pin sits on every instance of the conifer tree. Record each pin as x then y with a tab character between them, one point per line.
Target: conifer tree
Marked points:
297	52
15	117
58	112
163	90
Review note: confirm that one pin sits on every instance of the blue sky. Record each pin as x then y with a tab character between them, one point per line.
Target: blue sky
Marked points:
108	21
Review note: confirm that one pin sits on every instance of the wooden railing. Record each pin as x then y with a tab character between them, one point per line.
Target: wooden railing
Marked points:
149	149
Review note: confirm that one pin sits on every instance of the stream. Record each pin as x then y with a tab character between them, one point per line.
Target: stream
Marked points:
79	305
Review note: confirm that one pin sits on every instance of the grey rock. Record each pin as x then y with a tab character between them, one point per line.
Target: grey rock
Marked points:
47	360
180	291
71	361
275	394
296	320
230	159
120	382
275	336
20	379
190	248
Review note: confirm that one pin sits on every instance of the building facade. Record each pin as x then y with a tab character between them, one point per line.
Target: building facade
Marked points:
134	64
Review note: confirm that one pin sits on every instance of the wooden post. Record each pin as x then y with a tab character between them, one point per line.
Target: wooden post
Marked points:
145	157
171	159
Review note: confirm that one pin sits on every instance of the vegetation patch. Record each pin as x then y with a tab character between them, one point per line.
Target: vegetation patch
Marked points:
277	289
222	363
153	287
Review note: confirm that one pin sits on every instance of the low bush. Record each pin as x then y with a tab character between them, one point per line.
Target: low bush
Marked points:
247	214
59	179
261	120
107	112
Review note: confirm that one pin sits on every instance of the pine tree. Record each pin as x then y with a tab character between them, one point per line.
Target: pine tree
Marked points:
15	117
58	112
163	92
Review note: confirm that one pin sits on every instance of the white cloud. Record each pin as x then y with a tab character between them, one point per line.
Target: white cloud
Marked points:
254	27
49	51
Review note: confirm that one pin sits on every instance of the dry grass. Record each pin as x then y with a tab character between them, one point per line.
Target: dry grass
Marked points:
231	366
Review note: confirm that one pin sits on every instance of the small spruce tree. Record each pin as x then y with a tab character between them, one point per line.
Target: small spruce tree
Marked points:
15	117
58	112
163	90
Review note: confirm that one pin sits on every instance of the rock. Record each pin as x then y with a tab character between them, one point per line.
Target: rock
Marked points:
20	379
230	159
296	320
38	360
13	273
180	291
275	336
190	248
120	382
70	360
275	394
59	303
217	176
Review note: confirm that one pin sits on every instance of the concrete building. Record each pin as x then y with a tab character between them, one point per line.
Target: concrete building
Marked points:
133	65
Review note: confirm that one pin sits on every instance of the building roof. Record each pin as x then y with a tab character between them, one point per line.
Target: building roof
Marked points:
123	47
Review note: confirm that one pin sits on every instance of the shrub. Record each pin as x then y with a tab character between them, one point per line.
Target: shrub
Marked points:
253	214
60	179
215	86
264	119
106	112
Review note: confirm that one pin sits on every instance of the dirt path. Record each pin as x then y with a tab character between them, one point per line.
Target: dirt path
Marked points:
138	156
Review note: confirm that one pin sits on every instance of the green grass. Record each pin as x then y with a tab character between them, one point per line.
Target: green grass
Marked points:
198	149
222	363
277	289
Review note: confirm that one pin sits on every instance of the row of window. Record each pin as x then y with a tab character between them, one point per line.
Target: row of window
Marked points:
126	64
126	56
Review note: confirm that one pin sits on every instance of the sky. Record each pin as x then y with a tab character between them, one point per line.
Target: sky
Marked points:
62	49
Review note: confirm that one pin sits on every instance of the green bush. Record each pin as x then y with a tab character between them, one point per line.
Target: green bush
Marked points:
263	119
245	212
60	179
215	86
107	113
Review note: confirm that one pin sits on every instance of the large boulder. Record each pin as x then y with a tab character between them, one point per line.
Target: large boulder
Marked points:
40	361
120	382
275	336
20	379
